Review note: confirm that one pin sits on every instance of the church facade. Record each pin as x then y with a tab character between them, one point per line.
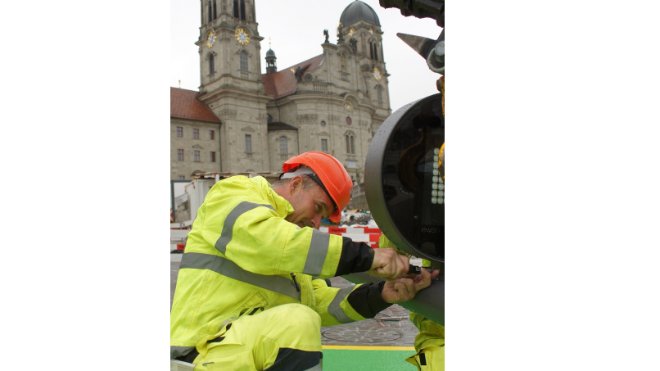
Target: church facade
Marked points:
243	121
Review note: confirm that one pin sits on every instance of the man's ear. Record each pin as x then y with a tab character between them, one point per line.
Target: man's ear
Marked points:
296	183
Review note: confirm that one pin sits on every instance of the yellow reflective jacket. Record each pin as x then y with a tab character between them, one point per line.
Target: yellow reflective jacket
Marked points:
242	256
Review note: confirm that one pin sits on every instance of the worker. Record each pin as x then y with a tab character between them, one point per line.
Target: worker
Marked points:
430	340
251	293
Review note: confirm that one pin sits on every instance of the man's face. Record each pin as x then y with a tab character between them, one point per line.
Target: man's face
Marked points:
310	202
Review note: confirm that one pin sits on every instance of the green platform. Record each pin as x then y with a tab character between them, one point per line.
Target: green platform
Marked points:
381	359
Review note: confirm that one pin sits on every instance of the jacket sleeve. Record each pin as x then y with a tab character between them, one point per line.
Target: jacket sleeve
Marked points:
355	257
342	305
252	232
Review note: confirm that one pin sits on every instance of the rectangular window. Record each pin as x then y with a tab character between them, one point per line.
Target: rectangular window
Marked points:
239	9
211	64
379	93
212	156
324	145
195	133
350	144
248	143
196	155
179	154
212	134
284	146
244	62
182	177
179	132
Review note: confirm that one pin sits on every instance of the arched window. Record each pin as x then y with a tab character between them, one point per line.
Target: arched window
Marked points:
211	59
284	145
350	142
353	44
244	62
373	50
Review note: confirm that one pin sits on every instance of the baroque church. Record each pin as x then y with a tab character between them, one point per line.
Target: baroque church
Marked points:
243	121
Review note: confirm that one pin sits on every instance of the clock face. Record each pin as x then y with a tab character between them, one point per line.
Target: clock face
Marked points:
348	106
210	40
242	36
377	74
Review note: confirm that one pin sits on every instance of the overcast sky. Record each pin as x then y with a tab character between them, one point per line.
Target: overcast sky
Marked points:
294	29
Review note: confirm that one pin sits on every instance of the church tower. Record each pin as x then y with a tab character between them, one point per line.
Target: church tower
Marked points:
230	67
359	31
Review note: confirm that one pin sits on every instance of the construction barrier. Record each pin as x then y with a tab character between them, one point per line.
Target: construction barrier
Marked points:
357	233
369	235
178	237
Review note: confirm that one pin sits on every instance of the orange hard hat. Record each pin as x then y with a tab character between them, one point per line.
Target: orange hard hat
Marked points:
332	174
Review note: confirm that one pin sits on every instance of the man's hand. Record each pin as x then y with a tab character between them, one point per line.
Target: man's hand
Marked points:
405	288
389	264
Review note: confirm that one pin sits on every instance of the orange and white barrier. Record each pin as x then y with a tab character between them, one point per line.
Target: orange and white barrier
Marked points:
361	233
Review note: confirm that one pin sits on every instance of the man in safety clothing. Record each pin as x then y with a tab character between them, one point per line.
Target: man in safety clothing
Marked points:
250	292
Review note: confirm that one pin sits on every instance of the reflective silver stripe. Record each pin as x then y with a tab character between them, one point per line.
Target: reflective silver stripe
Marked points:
336	310
228	226
229	269
318	249
176	352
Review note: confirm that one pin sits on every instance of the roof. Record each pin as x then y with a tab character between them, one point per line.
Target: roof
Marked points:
280	126
283	83
185	105
358	11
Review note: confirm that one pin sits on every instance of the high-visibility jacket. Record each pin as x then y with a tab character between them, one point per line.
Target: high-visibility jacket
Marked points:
242	256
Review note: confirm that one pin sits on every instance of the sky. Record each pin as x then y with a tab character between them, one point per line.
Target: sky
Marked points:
294	30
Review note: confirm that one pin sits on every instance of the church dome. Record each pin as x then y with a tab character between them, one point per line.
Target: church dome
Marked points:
358	11
270	53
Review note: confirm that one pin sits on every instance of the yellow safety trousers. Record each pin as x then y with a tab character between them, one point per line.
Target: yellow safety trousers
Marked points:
252	342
